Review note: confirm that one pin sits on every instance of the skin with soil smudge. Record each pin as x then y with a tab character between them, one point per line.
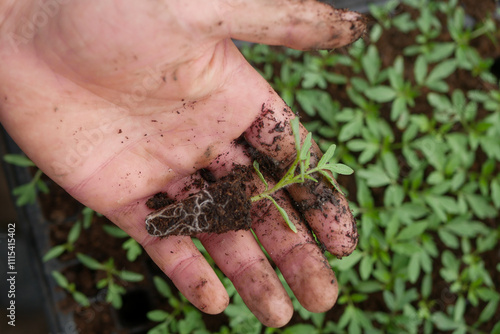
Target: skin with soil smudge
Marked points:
224	205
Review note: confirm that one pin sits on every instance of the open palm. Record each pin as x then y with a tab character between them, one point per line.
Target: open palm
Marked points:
119	101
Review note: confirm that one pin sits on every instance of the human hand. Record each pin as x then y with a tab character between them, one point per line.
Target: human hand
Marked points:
117	102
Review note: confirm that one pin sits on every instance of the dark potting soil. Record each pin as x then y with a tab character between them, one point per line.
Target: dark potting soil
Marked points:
220	207
63	211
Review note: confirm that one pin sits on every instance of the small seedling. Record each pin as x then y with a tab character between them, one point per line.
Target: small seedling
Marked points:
115	291
130	245
88	215
191	321
26	193
301	170
68	246
63	282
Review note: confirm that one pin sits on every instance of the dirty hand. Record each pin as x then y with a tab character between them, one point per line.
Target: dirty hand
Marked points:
119	101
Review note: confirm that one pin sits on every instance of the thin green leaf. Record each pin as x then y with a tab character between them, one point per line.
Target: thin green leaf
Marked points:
157	315
74	233
26	194
283	214
42	186
162	287
327	156
339	169
381	94
295	123
60	279
133	249
88	214
89	262
420	70
331	180
442	70
54	252
114	231
412	231
18	160
81	299
131	276
102	283
113	296
261	177
306	147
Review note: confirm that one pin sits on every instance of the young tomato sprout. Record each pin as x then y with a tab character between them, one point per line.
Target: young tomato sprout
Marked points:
301	170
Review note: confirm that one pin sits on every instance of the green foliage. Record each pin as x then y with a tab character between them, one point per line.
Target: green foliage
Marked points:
130	245
73	235
27	193
112	279
184	319
427	181
305	171
63	282
88	215
68	246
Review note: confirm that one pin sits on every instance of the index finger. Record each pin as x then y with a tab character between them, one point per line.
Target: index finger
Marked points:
303	25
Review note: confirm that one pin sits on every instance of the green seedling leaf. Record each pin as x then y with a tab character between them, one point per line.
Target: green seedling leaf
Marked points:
283	214
60	279
162	287
327	156
114	296
305	150
102	283
495	192
309	177
18	160
381	94
331	180
130	276
339	169
443	322
371	64
160	329
347	262
81	299
489	311
42	186
296	132
88	215
133	249
442	71
301	329
261	177
54	252
366	267
26	194
114	231
420	70
89	262
375	176
157	315
74	233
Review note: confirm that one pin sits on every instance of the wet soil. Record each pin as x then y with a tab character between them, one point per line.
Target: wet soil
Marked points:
222	206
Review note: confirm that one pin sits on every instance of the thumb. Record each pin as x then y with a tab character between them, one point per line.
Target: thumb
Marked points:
303	25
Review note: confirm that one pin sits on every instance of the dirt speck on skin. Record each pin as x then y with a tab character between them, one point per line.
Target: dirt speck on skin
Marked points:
220	207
